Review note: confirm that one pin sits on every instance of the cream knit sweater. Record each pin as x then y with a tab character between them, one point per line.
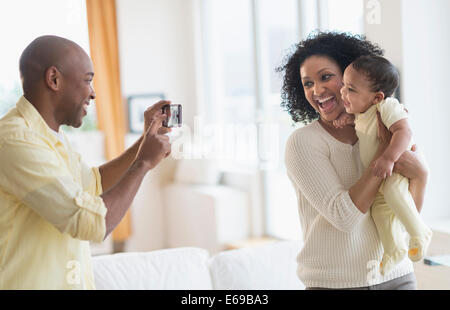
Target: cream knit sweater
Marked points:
341	245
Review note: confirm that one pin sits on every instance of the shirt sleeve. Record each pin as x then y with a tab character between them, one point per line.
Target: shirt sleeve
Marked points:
391	111
91	178
32	172
311	171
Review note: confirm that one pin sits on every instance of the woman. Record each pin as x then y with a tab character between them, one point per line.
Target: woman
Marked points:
341	246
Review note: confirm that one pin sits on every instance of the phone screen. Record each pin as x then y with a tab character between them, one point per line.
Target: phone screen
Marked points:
174	114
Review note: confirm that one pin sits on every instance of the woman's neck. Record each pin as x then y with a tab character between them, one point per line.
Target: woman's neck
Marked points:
345	135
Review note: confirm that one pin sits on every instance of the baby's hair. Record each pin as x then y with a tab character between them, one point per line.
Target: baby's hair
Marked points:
383	74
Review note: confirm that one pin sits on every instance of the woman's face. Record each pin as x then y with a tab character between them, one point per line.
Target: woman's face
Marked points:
322	81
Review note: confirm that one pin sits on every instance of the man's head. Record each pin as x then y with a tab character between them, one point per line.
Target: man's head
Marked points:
57	73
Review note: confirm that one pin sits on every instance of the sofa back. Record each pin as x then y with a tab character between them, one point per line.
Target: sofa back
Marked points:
168	269
268	267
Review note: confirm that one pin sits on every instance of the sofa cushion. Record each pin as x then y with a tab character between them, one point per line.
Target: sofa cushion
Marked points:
173	269
197	171
268	267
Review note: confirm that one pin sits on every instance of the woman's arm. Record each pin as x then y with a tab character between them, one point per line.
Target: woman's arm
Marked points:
363	192
316	181
412	165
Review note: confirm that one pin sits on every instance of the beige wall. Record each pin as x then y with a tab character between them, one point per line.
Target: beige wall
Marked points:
156	45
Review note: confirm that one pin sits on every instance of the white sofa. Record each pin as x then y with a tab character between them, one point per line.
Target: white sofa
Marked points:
267	267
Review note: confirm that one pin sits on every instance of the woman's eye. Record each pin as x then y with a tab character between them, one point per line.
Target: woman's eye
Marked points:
326	76
307	84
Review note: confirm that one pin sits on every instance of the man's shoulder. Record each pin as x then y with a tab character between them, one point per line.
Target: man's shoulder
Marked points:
13	127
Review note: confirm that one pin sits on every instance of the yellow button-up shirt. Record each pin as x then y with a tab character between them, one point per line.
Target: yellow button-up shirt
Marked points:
49	207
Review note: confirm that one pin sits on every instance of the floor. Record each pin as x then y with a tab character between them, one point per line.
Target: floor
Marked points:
434	277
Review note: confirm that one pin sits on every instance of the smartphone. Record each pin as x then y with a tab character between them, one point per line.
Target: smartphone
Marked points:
174	114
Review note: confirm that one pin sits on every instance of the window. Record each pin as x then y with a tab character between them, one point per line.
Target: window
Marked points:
343	15
243	41
25	21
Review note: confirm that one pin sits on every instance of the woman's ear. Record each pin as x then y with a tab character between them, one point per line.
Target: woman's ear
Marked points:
379	96
53	78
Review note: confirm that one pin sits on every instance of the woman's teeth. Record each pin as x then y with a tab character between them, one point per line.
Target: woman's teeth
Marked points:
325	99
327	104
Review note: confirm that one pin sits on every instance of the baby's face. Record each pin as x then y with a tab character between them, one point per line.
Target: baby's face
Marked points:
356	92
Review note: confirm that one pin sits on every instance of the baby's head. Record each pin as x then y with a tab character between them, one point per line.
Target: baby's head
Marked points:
367	81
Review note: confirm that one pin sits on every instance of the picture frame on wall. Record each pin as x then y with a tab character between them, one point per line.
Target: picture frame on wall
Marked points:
137	104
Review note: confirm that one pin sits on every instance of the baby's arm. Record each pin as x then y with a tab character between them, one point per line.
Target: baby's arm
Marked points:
344	119
401	137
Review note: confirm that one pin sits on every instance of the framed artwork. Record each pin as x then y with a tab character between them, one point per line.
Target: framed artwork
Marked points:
137	104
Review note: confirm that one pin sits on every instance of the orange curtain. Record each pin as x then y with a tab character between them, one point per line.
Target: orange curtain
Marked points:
104	48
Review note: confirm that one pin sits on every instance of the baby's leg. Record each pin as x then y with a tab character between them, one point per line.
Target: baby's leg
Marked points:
390	232
398	197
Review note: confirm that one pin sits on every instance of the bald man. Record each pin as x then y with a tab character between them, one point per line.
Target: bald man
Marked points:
51	203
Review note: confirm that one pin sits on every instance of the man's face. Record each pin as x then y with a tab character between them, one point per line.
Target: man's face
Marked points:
77	90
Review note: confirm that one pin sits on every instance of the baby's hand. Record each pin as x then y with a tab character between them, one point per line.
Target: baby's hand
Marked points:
343	120
382	167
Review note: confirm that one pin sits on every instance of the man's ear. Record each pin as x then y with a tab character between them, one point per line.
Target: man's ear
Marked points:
53	78
379	96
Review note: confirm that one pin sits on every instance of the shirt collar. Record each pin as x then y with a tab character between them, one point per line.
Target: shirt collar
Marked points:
35	120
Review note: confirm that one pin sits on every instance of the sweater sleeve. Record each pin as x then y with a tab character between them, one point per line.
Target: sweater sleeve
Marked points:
311	171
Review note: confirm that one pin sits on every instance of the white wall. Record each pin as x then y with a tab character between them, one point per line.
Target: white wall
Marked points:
387	30
156	46
416	37
426	44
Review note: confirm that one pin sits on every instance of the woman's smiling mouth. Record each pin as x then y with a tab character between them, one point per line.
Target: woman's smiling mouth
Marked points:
327	104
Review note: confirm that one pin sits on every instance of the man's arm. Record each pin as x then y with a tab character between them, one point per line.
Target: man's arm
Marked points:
118	198
112	171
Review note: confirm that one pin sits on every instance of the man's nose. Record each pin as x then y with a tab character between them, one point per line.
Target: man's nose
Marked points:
92	95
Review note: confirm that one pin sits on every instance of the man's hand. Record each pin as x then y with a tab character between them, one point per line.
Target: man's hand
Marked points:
154	146
153	112
343	120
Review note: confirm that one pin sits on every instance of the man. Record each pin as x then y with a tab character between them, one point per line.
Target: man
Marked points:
51	203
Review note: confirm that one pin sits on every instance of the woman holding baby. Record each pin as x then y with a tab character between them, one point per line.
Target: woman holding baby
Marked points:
335	191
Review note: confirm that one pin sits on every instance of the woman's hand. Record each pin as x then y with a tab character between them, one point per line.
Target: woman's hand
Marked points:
412	165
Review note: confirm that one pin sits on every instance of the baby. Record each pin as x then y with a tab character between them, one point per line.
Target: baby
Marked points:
369	83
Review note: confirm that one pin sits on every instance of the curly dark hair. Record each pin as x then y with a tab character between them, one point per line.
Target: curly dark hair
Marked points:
342	47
